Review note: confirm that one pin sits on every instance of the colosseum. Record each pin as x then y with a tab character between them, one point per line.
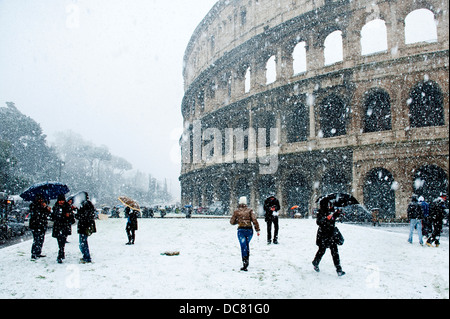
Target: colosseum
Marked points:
300	98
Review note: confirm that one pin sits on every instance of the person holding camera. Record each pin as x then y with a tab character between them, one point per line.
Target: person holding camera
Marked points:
271	208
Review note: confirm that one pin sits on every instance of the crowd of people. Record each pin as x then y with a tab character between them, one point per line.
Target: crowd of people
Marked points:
63	215
427	219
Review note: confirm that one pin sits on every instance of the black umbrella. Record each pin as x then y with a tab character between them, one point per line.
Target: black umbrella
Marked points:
337	199
50	190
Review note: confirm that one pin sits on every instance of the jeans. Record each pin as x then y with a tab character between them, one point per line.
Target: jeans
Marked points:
84	248
245	236
415	223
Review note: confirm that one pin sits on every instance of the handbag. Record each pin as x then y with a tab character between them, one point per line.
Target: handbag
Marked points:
337	237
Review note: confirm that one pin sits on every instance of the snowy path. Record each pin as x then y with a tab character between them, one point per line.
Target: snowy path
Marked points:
379	264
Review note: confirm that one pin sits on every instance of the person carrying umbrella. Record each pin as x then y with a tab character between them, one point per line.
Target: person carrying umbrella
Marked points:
328	236
132	225
38	224
63	219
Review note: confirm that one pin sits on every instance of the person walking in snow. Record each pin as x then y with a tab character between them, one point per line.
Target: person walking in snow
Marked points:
271	208
86	227
437	213
38	224
132	225
328	236
245	217
415	216
426	224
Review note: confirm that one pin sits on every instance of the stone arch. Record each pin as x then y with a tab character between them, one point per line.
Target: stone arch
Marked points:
368	44
379	191
333	116
333	48
420	26
297	191
377	111
429	181
335	181
426	105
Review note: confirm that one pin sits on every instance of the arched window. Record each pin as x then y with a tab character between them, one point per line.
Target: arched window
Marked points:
299	56
271	70
296	121
297	191
426	105
430	181
335	181
377	111
247	80
420	26
379	192
333	117
333	51
374	37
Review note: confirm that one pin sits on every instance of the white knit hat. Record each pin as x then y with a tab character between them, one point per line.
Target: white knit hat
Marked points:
243	200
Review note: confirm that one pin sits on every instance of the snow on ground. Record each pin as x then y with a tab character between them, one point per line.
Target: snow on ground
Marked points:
378	261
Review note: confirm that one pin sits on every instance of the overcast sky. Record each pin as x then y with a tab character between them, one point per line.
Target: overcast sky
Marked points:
110	70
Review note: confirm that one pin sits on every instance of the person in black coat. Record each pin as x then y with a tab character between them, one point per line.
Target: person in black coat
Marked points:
86	227
38	224
132	225
437	213
271	208
328	236
63	218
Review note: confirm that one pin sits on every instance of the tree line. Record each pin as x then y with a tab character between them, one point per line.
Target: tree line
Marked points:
27	158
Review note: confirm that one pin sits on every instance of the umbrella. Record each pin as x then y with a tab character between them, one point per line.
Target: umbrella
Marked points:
129	202
338	200
50	190
78	198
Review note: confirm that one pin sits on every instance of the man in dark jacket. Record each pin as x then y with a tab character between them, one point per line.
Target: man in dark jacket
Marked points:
38	224
415	216
86	227
132	225
328	236
63	219
271	208
437	213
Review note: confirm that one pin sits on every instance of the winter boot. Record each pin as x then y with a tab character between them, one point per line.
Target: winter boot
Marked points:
60	256
316	266
339	271
245	261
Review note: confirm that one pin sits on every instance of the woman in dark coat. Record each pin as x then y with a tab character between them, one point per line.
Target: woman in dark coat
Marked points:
132	225
327	236
86	227
38	224
63	218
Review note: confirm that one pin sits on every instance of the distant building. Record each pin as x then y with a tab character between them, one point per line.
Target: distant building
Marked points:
272	106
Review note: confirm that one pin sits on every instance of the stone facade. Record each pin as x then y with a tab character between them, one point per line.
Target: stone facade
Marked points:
374	125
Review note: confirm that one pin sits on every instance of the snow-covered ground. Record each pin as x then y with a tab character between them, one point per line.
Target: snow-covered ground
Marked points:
378	261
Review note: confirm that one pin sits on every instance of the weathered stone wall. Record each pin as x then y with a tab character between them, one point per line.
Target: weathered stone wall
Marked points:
238	35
